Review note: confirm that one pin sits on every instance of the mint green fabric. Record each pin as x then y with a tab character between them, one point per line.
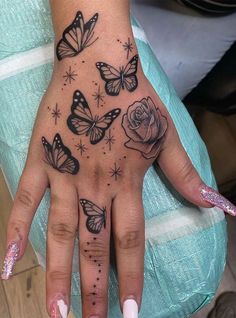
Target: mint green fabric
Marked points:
185	246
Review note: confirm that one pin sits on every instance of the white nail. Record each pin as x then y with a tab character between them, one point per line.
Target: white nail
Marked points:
62	308
130	309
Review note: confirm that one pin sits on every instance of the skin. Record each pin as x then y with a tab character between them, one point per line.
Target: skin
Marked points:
122	199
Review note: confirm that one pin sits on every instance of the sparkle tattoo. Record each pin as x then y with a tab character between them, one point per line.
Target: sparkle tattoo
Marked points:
56	113
115	172
69	76
110	140
128	46
98	96
81	147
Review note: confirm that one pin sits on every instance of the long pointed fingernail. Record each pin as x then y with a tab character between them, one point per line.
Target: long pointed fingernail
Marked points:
212	196
12	254
59	308
130	309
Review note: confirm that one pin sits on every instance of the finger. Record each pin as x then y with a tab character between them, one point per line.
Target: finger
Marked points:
128	232
30	191
178	168
62	228
94	242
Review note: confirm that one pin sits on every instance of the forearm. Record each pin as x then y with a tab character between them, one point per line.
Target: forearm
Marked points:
113	22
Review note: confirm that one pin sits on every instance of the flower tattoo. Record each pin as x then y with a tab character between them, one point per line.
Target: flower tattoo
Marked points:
145	126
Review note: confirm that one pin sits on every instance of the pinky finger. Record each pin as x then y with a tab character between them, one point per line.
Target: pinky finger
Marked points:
29	194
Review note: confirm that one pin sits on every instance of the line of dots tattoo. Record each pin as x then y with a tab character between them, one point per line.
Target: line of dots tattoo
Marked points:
99	269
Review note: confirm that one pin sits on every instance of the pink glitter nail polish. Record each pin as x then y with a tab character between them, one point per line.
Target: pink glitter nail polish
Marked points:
59	308
212	196
12	254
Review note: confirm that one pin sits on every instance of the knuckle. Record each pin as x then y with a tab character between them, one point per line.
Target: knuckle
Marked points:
94	250
25	198
128	240
58	275
95	297
187	173
62	231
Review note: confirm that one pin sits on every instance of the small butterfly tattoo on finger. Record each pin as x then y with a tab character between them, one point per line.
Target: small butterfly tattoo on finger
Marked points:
96	216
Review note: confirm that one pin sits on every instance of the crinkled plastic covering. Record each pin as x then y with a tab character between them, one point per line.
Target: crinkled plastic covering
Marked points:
185	245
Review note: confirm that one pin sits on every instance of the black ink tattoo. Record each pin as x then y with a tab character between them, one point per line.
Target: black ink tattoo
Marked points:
56	113
70	76
110	140
115	172
76	37
59	156
115	80
81	147
145	126
82	122
96	216
98	96
128	46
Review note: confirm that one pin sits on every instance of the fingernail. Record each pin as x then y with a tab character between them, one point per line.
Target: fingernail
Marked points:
130	309
12	254
212	196
59	308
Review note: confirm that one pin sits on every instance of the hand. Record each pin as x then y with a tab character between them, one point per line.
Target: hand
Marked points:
93	140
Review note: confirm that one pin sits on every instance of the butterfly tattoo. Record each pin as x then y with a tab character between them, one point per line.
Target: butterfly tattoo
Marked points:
76	37
59	156
82	122
96	216
123	78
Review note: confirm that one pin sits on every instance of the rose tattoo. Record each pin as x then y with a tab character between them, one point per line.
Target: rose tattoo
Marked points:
145	126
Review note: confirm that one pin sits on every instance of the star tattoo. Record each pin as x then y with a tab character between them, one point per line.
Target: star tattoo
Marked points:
128	46
98	96
56	113
81	147
110	140
70	75
115	172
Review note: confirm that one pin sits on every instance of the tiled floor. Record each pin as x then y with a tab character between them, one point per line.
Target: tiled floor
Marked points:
24	295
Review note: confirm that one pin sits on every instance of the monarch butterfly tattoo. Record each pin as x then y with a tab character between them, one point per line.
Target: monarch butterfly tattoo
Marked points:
59	156
82	122
115	80
76	37
96	216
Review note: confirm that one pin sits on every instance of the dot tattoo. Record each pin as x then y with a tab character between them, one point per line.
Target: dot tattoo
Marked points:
56	113
70	76
115	172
